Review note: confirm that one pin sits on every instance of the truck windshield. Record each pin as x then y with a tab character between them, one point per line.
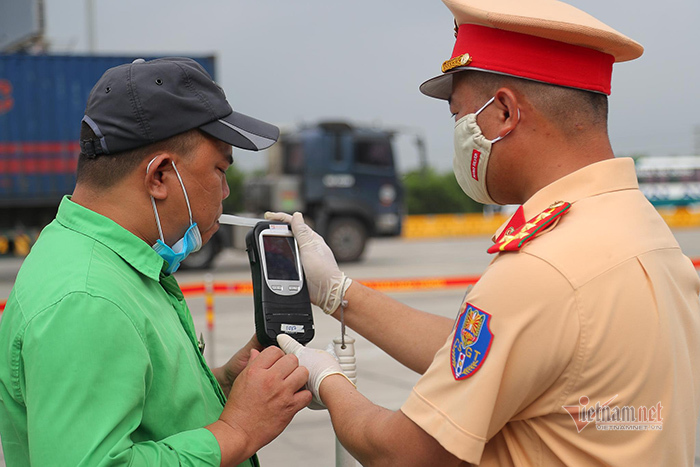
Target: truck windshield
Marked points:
374	153
293	158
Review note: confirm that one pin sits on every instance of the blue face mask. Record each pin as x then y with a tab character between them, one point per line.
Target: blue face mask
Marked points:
190	242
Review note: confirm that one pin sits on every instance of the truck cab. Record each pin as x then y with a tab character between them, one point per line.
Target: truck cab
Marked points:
342	177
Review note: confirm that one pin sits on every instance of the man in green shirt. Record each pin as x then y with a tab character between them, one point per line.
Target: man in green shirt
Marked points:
99	363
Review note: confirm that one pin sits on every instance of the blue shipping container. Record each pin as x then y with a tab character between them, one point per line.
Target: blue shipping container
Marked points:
42	101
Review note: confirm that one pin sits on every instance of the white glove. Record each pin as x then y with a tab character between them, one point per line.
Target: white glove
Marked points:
327	284
319	363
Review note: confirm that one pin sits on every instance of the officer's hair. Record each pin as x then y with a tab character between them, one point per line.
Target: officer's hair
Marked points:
106	170
565	107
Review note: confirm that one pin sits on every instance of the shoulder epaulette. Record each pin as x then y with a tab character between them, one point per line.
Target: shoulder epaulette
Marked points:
514	239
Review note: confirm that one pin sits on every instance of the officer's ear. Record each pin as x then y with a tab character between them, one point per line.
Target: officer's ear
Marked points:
158	170
508	110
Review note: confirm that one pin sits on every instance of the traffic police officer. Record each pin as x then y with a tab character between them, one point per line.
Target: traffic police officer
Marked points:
580	343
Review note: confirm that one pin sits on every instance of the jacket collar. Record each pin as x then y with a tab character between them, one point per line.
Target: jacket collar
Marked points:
104	230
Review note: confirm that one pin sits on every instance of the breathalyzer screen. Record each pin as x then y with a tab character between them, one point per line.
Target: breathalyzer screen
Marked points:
279	258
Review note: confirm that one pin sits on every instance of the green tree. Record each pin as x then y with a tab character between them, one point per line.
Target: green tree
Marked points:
235	178
428	192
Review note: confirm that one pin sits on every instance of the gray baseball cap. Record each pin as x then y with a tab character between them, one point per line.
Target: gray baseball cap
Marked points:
140	103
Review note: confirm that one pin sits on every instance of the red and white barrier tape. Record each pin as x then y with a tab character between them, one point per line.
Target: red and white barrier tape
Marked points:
383	285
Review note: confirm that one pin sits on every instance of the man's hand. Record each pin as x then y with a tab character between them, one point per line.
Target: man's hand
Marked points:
327	284
320	363
228	373
264	398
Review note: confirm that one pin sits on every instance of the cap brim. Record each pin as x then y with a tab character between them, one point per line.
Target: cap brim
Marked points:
440	87
242	131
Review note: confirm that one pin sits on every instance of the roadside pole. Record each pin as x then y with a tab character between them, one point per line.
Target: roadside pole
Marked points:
345	351
209	305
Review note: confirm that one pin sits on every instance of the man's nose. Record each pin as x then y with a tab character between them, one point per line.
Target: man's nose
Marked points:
226	190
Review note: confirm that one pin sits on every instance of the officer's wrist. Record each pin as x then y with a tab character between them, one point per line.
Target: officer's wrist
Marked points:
335	385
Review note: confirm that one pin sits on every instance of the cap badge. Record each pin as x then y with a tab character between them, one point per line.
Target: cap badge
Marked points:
461	60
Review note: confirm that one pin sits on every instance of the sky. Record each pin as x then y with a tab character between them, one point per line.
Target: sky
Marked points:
292	62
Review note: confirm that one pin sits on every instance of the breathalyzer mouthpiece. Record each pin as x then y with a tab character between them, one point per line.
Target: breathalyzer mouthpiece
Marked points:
230	219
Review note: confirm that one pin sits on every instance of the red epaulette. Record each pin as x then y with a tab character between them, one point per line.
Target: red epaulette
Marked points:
515	238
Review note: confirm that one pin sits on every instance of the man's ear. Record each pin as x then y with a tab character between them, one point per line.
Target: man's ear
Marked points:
509	110
157	169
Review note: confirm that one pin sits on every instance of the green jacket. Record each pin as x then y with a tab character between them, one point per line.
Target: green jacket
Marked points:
99	363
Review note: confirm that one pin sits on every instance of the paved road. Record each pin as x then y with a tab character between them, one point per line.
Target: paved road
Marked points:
380	378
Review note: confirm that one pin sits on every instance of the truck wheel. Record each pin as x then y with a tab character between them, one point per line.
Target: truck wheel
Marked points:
203	258
347	238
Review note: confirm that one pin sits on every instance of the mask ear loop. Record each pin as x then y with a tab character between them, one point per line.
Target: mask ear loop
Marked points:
153	203
485	105
498	138
187	200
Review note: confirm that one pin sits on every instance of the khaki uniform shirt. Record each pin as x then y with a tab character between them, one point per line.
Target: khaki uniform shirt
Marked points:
593	333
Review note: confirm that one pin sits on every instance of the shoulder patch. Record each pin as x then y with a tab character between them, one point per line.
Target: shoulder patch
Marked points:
513	241
471	342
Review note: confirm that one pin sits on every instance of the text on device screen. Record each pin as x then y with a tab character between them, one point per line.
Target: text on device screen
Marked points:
279	258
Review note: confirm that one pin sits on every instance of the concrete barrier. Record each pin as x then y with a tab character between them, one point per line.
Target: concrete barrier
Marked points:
465	225
451	225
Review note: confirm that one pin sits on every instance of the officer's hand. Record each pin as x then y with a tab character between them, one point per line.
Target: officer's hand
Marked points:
327	284
320	364
266	395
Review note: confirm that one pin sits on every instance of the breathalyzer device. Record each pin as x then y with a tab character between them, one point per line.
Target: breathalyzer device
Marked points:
280	293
